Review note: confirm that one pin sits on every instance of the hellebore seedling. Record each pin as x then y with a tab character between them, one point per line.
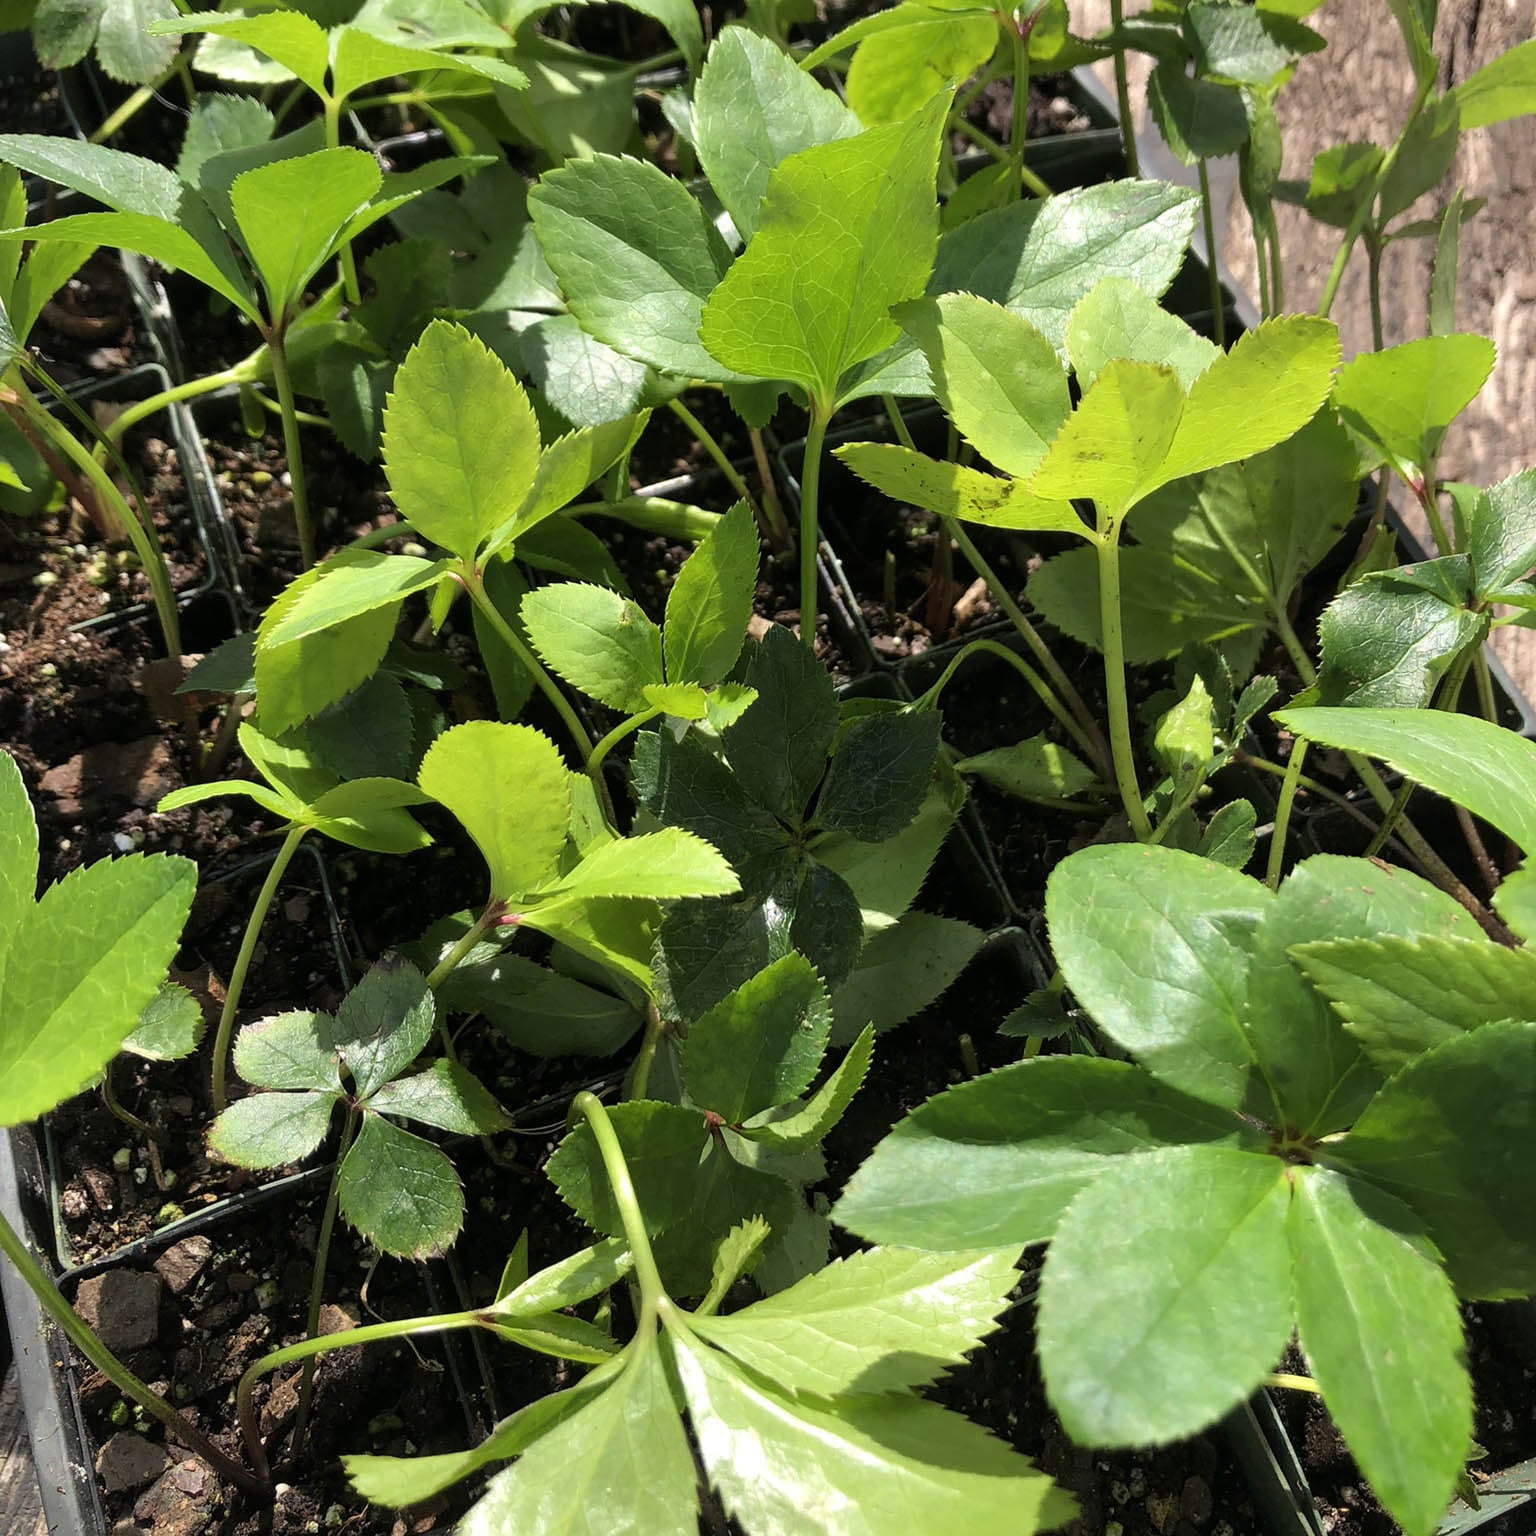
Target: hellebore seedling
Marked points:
362	813
814	1383
1269	1164
77	969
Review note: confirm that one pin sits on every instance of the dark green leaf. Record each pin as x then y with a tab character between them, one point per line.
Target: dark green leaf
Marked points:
711	601
268	1130
399	1191
383	1024
445	1095
170	1027
879	775
901	969
292	1050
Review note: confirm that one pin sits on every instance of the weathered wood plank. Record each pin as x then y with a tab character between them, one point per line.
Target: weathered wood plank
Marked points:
21	1512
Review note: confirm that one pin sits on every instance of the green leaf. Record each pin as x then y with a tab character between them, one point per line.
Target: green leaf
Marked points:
509	788
1425	156
291	1051
369	814
1449	1137
399	1191
955	490
597	640
996	376
461	444
287	37
1416	20
361	57
1489	770
383	1024
1247	47
218	123
901	969
662	1145
1113	447
1401	996
1382	1335
292	212
1035	769
711	601
1120	319
620	1464
1266	388
895	72
740	1252
762	1045
1503	88
778	749
352	582
808	1124
1199	119
63	30
1389	638
125	47
636	256
998	1159
1143	1341
444	1095
268	1130
81	965
1154	943
229	668
1404	399
846	230
882	1464
170	1027
370	734
870	1324
657	865
752	109
18	854
568	465
569	1281
879	775
1501	532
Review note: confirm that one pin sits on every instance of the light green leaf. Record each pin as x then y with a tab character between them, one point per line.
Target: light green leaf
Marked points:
352	582
461	444
361	57
619	1465
1404	399
1401	996
1154	943
1119	318
126	48
128	183
1503	88
808	1124
508	787
170	1027
268	1130
955	490
636	256
291	213
1382	1336
295	1051
399	1191
220	122
1266	388
445	1095
862	1466
569	1281
740	1252
873	1323
901	969
711	601
1035	769
287	37
995	375
760	1046
895	72
369	814
18	855
567	467
1113	447
1489	770
1501	532
383	1024
1449	1136
1143	1341
847	229
658	865
752	109
80	966
998	1159
597	640
284	806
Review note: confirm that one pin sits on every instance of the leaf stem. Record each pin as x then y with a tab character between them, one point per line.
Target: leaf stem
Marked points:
810	483
243	372
1122	744
640	1073
117	119
1019	125
86	1341
264	898
293	450
707	441
654	514
1291	1382
471	936
1277	836
618	733
777	528
348	261
652	1291
116	1107
317	1278
1123	94
1213	277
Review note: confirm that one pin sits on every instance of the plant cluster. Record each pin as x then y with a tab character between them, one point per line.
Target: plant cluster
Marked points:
1284	1115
